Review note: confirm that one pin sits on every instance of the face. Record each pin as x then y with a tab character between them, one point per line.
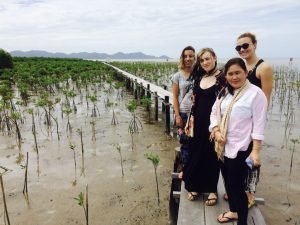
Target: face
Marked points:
207	61
236	76
188	58
246	47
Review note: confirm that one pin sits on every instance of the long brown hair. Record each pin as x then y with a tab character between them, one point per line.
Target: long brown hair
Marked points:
181	61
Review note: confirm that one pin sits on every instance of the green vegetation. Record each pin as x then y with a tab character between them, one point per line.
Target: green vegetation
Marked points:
154	158
156	72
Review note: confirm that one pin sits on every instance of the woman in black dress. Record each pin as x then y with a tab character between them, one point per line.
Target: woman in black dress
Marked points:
201	174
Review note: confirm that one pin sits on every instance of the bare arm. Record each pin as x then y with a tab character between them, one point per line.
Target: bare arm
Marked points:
255	153
265	74
175	90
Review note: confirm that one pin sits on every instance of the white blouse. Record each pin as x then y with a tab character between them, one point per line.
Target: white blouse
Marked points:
247	120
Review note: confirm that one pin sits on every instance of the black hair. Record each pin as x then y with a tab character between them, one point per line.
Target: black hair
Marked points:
234	61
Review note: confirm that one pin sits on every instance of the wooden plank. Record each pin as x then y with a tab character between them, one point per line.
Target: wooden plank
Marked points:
190	212
255	217
196	212
212	212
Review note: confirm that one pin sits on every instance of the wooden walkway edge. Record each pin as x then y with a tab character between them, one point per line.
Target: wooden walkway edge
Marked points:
153	88
197	213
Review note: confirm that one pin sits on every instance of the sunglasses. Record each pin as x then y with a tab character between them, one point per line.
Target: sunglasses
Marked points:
244	46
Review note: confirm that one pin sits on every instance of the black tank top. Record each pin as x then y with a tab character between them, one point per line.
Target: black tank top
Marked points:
252	75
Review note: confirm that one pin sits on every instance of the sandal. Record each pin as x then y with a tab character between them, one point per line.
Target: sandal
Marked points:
191	196
225	219
251	202
211	201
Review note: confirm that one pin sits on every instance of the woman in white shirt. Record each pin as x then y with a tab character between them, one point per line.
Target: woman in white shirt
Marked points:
237	125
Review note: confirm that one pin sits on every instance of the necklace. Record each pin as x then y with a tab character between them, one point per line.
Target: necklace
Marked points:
211	74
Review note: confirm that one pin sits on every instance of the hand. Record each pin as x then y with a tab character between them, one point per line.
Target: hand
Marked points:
179	122
220	138
255	158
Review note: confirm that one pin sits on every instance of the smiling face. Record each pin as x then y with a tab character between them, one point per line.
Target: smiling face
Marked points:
246	52
236	76
207	61
188	58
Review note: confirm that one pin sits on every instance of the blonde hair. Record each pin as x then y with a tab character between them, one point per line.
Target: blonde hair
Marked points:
203	50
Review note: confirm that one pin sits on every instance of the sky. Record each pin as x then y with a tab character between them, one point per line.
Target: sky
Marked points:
154	27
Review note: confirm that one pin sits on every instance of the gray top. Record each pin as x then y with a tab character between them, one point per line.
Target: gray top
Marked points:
185	91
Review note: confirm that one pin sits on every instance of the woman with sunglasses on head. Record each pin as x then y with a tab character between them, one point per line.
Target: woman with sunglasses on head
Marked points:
237	123
261	75
201	173
182	92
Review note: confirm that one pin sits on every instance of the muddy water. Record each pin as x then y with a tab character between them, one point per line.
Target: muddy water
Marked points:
113	199
132	199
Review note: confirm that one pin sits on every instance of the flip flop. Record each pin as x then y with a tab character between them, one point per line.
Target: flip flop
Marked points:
192	196
251	202
227	219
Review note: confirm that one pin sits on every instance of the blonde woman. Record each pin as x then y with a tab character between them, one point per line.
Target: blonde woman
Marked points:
201	173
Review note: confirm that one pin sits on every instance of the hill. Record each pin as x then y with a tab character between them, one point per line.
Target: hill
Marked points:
86	55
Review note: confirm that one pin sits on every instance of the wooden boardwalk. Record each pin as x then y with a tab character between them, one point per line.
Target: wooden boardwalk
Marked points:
196	212
153	88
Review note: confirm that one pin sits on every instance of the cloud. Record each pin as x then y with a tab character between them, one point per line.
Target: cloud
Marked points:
152	26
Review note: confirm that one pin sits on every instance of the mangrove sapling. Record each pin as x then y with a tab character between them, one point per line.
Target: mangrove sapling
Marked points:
72	148
33	129
25	188
154	158
6	123
118	147
79	131
146	101
119	87
93	99
15	116
47	105
84	204
68	111
135	124
57	131
114	119
294	141
93	123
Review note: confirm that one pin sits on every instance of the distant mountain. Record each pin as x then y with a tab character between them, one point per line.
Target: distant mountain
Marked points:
86	55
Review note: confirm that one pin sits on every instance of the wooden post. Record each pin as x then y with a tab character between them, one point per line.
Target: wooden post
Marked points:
4	200
167	112
142	90
156	106
127	83
135	89
132	86
163	103
148	91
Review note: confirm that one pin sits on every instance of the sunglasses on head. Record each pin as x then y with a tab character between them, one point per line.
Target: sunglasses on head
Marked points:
244	46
